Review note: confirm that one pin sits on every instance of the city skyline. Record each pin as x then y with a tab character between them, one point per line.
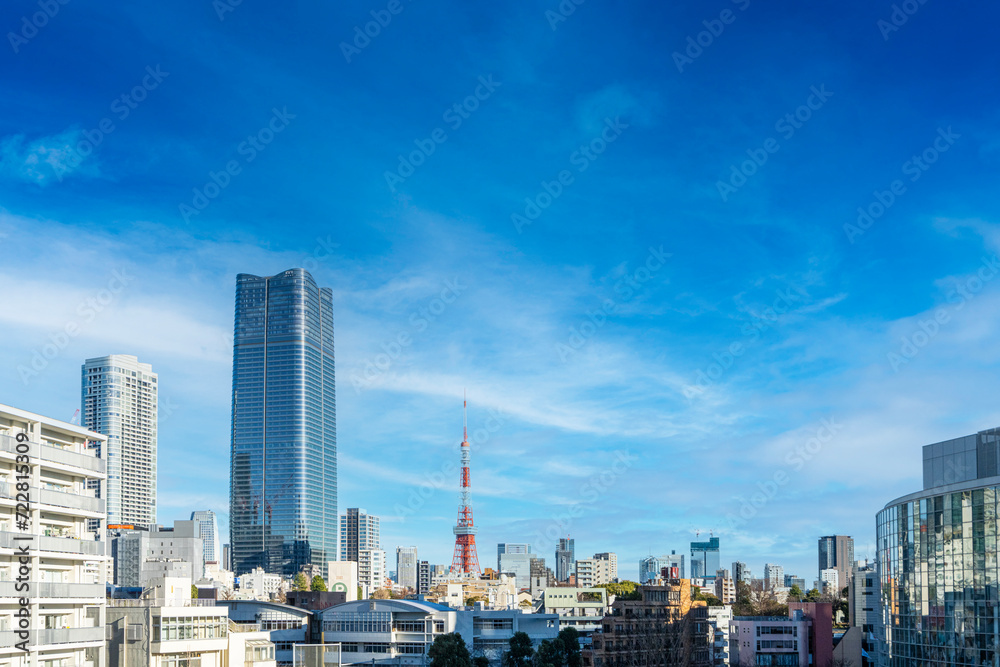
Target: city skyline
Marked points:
651	357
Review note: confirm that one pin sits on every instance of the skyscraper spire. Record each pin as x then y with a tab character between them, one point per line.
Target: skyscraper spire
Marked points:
465	560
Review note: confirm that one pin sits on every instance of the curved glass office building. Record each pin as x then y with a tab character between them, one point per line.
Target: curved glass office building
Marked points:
283	470
937	560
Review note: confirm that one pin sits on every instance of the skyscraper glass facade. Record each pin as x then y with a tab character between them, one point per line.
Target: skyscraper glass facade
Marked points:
283	470
937	562
705	558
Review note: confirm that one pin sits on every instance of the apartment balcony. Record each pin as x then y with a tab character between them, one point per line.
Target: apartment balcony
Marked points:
75	501
41	638
56	455
49	589
57	544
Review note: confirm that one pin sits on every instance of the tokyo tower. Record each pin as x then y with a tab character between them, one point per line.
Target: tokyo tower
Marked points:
465	560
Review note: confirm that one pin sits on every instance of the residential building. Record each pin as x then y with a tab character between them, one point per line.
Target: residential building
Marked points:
936	560
586	576
510	548
864	609
804	637
565	558
423	577
358	530
139	556
741	572
541	577
406	567
208	531
774	576
118	399
61	578
260	585
517	564
283	476
719	619
705	558
829	581
286	626
581	608
402	631
725	587
342	577
372	572
792	580
607	567
837	551
663	627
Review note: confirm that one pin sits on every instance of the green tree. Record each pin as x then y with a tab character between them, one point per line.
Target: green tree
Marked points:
449	651
713	601
520	652
194	592
318	584
570	638
551	654
300	583
795	593
469	601
813	596
623	590
361	593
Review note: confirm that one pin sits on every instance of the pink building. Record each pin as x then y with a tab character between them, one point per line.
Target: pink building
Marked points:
804	638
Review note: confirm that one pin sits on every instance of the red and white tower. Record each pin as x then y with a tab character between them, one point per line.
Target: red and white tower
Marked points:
465	560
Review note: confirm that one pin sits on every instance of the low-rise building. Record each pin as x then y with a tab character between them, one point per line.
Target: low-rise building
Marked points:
804	637
284	625
719	618
260	585
580	608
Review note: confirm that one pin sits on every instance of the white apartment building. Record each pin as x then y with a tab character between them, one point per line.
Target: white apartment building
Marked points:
774	576
48	555
260	585
829	580
601	569
208	531
119	397
719	618
371	570
406	567
608	562
358	530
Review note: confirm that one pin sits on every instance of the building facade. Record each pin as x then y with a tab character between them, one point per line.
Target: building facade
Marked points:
208	531
837	552
52	567
565	558
119	398
406	567
283	469
741	572
372	571
774	576
580	608
937	561
510	548
423	577
705	558
519	565
358	530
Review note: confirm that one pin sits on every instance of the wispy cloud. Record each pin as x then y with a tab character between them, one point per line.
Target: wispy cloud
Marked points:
46	159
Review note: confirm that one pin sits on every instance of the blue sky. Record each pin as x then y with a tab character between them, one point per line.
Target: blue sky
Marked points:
591	323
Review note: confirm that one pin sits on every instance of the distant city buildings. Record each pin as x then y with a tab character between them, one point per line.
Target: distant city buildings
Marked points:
406	567
837	552
358	530
725	587
792	580
705	558
372	571
804	638
208	531
518	564
118	399
423	577
510	548
741	572
774	576
565	559
283	477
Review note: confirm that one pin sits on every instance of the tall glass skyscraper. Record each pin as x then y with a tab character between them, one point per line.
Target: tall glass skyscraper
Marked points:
283	470
705	558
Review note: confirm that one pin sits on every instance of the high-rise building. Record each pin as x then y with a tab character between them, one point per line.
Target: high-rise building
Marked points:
674	559
705	558
792	580
565	558
371	570
607	562
837	551
358	530
510	548
227	561
725	587
52	567
774	576
208	531
518	564
283	470
423	577
406	567
649	569
118	399
741	572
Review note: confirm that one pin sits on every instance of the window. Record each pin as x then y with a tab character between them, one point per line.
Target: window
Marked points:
410	648
408	626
